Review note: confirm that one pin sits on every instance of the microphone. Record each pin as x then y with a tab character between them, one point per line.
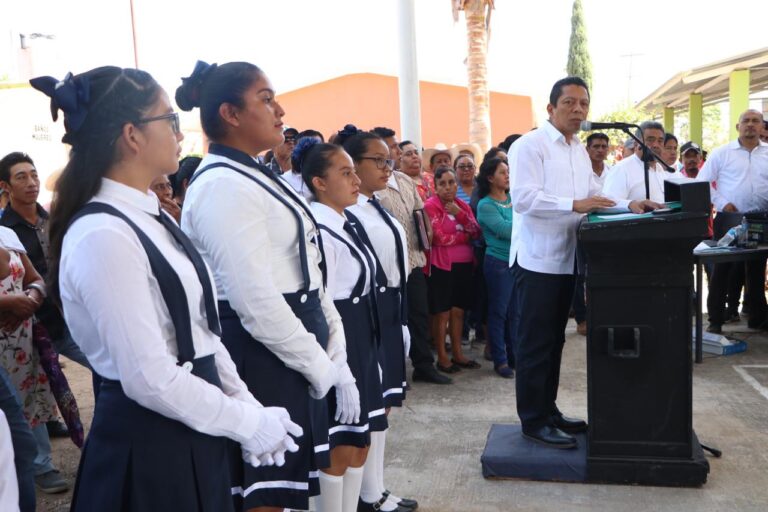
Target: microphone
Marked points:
587	126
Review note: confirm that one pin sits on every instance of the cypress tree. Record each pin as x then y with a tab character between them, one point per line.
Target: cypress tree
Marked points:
579	63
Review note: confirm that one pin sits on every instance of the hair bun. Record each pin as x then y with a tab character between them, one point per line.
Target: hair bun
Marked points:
298	154
345	133
188	93
349	130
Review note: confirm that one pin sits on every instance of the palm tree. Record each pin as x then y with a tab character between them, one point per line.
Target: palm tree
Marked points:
477	14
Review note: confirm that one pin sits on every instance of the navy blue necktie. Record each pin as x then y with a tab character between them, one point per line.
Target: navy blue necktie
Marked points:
400	254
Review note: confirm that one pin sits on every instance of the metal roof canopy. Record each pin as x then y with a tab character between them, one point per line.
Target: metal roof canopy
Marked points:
711	81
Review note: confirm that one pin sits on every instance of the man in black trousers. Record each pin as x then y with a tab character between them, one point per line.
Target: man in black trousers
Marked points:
552	185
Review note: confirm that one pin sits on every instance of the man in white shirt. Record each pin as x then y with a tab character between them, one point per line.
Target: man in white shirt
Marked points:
552	186
669	152
627	178
597	148
740	170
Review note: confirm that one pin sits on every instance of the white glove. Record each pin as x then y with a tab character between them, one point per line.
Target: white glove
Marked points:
325	384
269	444
347	397
406	340
337	352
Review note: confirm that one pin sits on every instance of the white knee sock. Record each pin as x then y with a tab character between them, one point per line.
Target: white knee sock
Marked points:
353	479
369	490
380	447
373	473
331	492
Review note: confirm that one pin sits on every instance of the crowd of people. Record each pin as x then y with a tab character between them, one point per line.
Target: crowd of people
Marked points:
247	315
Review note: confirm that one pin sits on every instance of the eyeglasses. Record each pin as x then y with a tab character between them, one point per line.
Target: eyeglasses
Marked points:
381	163
466	167
173	117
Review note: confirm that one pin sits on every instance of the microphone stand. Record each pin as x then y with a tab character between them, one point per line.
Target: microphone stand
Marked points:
647	156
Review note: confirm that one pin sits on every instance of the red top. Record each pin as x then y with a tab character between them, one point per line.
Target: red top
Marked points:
425	186
451	233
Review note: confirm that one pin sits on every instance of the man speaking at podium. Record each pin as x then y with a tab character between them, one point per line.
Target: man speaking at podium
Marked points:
552	186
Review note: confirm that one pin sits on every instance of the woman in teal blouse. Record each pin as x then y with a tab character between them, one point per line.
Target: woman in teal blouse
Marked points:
494	214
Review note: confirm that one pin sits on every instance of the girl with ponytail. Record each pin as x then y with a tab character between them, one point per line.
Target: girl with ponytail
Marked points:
132	288
262	241
328	172
386	237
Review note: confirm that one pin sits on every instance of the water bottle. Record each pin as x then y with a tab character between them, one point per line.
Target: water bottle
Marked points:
741	241
728	238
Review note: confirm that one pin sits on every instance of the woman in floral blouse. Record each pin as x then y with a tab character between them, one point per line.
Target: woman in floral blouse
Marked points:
450	274
21	294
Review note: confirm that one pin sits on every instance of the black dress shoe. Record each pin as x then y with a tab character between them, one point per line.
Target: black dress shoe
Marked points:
364	506
404	502
550	436
570	425
56	429
430	375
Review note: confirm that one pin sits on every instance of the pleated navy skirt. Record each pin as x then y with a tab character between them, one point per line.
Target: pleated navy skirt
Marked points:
136	460
275	385
363	360
391	350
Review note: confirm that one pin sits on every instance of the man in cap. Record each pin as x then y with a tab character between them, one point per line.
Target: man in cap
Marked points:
281	159
690	157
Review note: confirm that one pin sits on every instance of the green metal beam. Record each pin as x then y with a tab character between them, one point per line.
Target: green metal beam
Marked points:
738	88
696	117
669	120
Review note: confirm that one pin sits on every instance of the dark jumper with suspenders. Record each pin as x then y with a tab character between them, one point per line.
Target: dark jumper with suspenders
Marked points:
154	443
271	382
359	315
392	313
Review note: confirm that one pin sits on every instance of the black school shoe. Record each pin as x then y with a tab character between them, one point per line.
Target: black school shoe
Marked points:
405	502
364	506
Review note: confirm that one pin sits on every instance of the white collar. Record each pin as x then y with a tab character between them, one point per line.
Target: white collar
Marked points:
111	191
328	216
554	134
362	199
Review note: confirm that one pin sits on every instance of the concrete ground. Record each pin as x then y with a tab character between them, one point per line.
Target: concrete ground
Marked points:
435	443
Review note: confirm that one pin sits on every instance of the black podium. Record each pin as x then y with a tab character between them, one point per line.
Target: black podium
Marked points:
639	293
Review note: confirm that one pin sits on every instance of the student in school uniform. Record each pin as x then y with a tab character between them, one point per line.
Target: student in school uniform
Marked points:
386	236
140	303
329	174
262	241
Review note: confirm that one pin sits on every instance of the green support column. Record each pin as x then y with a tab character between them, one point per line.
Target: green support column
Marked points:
669	120
738	87
696	113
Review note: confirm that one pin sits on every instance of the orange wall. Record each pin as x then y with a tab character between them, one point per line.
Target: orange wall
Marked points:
369	100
